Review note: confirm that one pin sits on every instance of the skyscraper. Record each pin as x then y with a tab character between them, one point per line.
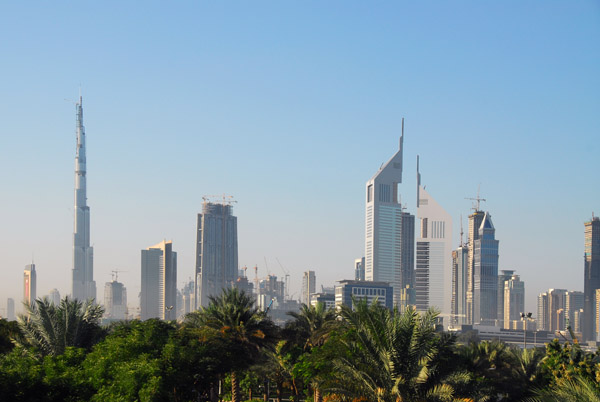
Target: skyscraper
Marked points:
485	274
433	287
158	298
216	251
29	284
591	279
308	286
514	301
459	285
84	286
552	312
475	220
574	303
115	300
387	228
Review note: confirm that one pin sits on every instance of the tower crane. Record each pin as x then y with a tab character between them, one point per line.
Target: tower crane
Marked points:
115	275
478	199
287	276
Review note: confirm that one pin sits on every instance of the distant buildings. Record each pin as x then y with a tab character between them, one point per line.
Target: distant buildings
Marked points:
514	302
485	274
552	310
503	276
158	298
84	287
216	251
29	284
591	279
115	300
364	290
270	291
54	296
328	299
10	309
434	258
308	286
187	294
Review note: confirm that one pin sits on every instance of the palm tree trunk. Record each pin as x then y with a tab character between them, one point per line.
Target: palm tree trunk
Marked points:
318	397
235	388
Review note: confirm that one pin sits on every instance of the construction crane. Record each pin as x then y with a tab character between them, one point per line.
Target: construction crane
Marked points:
222	198
245	268
287	276
478	199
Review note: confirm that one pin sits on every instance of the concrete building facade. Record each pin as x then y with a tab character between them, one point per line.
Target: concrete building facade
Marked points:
158	298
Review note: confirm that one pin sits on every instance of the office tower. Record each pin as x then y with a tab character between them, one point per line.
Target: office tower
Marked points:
504	276
84	287
485	274
29	284
159	282
365	290
308	286
387	248
10	309
359	269
216	251
54	296
187	294
514	301
591	279
115	300
597	313
574	301
433	287
475	220
459	285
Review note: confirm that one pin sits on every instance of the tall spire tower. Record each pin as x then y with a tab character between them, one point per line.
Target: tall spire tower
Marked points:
84	287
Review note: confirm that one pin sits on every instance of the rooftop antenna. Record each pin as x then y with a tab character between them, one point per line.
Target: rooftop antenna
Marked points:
477	199
418	182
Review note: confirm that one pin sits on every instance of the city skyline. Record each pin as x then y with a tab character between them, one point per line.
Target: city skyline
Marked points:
296	114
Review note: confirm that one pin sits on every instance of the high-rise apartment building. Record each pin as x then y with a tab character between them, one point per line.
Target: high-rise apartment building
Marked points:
459	285
10	309
389	250
475	220
84	286
504	276
158	298
485	274
433	285
359	269
308	286
29	284
216	251
513	301
591	279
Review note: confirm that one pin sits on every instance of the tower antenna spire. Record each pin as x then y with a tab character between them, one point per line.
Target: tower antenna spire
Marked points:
418	182
461	232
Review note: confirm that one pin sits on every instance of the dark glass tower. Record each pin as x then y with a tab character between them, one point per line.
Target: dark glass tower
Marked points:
591	280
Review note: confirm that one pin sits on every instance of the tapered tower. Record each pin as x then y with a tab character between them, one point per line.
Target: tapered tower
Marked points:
84	286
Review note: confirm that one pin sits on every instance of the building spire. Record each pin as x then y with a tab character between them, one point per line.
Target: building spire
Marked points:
418	181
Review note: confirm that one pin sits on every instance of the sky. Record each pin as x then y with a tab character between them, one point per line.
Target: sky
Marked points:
290	107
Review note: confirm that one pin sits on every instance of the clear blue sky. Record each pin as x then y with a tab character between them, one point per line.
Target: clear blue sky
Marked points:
290	107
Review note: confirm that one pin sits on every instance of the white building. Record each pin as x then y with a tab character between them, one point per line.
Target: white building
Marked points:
389	250
433	275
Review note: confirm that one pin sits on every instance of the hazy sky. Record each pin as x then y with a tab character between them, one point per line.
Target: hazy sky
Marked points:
290	107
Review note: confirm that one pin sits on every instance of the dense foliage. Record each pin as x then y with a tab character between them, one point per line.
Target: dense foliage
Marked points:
233	351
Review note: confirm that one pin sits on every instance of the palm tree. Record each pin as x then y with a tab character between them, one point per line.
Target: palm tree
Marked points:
577	389
392	357
310	328
247	331
50	329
